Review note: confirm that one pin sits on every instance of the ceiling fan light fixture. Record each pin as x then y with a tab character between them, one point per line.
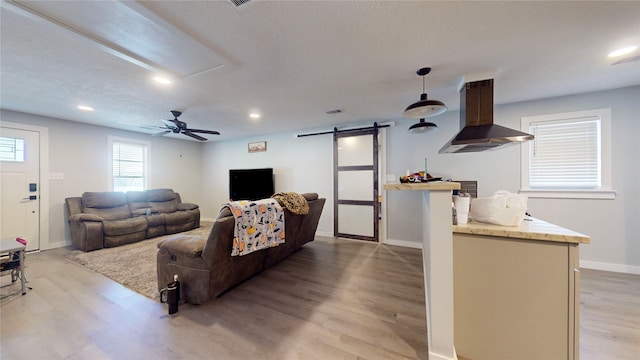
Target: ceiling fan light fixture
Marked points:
422	126
425	107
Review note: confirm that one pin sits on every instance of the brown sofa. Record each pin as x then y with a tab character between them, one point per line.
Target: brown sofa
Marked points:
205	266
107	219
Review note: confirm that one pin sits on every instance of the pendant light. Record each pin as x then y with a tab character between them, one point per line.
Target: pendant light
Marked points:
422	126
424	108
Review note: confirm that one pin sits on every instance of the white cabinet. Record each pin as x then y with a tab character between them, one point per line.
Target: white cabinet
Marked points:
515	298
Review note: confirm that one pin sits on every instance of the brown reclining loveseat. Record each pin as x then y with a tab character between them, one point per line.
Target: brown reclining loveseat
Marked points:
205	266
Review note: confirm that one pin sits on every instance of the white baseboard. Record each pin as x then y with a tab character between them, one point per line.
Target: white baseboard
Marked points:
208	219
627	269
324	233
55	245
404	243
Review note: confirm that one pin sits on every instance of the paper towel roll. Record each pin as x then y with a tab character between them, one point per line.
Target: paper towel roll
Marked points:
462	208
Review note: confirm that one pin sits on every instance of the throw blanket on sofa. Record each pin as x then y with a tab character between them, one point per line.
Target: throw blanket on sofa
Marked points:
259	225
293	202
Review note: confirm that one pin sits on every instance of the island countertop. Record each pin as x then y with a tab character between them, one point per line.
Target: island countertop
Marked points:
533	229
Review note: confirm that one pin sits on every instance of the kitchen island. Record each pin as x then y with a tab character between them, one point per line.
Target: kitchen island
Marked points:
516	291
437	262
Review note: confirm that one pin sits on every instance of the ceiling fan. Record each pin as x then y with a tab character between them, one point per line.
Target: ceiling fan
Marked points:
180	127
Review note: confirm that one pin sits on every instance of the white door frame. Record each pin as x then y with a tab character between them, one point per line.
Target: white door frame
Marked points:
44	177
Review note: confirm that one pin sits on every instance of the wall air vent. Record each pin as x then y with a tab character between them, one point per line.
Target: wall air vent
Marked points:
238	3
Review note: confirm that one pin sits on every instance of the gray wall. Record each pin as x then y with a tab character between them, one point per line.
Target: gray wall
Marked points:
81	151
305	165
299	165
615	243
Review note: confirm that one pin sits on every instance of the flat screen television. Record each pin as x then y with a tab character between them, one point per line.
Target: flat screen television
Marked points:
251	184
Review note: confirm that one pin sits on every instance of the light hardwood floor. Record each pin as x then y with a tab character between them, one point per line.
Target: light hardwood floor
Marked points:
333	299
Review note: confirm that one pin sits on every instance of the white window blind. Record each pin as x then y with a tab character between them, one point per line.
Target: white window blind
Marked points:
565	154
129	166
11	149
569	157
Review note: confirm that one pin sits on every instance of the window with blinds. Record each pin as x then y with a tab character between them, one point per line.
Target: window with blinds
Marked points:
11	149
565	154
569	155
129	172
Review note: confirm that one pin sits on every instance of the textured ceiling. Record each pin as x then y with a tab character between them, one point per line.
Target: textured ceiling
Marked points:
295	60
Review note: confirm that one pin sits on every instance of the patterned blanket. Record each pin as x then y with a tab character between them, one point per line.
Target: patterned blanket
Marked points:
259	225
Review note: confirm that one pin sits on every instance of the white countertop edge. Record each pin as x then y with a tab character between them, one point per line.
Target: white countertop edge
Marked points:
533	229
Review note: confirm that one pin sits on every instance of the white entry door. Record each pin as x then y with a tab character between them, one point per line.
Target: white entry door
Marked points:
20	185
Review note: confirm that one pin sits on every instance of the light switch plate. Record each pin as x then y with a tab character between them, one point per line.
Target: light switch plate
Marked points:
56	176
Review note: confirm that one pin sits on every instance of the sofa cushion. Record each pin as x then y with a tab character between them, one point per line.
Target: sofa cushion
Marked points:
124	227
113	241
110	214
310	196
155	219
161	195
180	217
102	200
164	207
187	245
140	212
137	201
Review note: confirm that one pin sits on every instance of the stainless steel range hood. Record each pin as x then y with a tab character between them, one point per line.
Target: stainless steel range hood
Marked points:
479	133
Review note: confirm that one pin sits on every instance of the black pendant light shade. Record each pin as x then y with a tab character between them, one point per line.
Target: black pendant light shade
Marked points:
422	126
425	107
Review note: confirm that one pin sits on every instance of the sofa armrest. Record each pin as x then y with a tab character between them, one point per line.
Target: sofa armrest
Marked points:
85	217
186	245
187	206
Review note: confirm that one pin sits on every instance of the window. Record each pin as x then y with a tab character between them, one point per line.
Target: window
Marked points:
11	149
569	156
129	165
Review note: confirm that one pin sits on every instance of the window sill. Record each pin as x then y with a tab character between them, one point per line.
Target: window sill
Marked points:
570	194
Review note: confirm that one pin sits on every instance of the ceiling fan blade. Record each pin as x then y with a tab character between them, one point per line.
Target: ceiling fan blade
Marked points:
162	133
170	124
212	132
188	133
151	127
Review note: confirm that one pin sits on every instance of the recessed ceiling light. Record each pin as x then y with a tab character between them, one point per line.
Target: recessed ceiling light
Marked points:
85	108
623	51
254	115
162	80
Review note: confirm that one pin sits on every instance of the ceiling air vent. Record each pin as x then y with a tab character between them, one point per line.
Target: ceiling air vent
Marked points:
238	3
